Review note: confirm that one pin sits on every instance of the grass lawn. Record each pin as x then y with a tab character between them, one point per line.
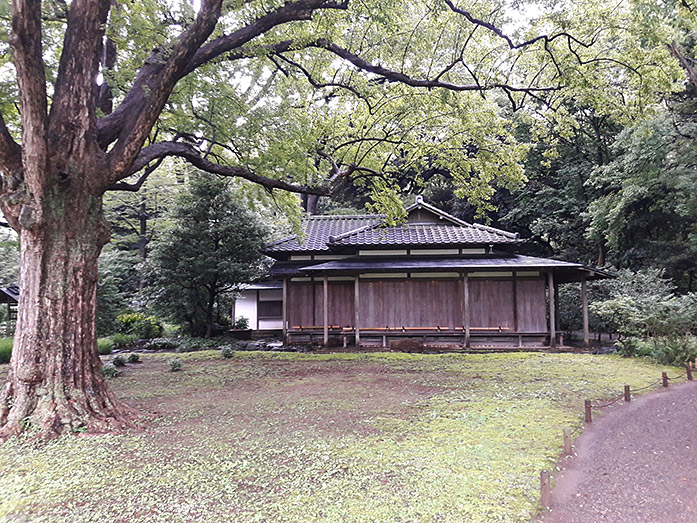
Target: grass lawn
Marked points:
342	437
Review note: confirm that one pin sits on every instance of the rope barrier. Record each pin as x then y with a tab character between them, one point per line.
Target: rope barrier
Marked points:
612	402
653	384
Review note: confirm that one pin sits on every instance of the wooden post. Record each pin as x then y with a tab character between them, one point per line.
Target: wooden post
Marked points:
515	302
627	394
584	299
664	376
552	309
545	489
567	442
284	312
689	371
466	309
557	322
257	309
325	309
356	311
314	302
589	414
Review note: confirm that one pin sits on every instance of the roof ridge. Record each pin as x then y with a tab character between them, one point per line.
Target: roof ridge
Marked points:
277	242
346	234
494	230
420	201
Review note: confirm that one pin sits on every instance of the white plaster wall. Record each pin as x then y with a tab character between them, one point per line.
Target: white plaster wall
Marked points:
246	305
270	324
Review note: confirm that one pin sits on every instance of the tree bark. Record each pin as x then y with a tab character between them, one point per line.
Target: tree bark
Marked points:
55	381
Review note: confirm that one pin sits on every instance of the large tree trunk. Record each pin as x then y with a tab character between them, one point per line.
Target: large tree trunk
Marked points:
54	382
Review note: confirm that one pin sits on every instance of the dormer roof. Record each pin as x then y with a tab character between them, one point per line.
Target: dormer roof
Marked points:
426	226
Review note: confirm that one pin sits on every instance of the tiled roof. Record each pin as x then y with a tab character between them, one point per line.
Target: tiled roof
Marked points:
425	234
324	232
318	229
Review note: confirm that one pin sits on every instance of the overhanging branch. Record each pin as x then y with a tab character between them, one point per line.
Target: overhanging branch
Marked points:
162	150
150	80
398	77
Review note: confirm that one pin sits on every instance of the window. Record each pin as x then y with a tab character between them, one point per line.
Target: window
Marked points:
270	309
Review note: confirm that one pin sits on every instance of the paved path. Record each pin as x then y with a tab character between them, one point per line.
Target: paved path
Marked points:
637	463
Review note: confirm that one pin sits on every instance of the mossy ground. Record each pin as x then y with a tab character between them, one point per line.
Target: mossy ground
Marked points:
330	437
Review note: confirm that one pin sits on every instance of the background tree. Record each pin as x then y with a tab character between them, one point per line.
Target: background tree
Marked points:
646	208
212	247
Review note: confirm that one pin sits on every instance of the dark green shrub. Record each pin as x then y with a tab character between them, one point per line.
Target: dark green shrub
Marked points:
105	346
123	340
175	364
140	325
241	323
119	361
162	344
670	350
109	371
227	352
5	350
195	344
628	347
133	358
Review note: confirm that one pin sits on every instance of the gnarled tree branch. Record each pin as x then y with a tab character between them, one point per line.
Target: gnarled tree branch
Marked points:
159	75
397	77
193	156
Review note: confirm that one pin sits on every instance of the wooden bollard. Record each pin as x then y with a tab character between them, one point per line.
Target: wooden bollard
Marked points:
627	394
567	442
665	379
545	489
589	415
689	371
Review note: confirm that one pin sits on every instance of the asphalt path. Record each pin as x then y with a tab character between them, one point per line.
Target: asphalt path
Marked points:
636	463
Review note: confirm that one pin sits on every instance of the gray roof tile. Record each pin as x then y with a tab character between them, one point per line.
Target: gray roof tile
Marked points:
318	229
425	234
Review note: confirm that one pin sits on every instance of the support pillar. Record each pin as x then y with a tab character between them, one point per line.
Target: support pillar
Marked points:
584	300
552	310
466	309
515	301
284	312
325	309
356	310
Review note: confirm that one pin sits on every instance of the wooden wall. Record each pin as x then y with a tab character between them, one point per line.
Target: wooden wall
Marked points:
532	305
305	303
423	303
411	303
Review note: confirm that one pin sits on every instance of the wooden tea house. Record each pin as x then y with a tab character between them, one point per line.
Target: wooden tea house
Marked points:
436	279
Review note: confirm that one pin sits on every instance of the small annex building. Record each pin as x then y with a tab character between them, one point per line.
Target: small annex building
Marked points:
352	279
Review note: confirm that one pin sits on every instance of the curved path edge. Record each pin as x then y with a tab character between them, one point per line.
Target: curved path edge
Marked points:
636	463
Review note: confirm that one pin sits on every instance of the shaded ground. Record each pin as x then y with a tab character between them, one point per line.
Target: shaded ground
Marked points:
635	464
329	437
